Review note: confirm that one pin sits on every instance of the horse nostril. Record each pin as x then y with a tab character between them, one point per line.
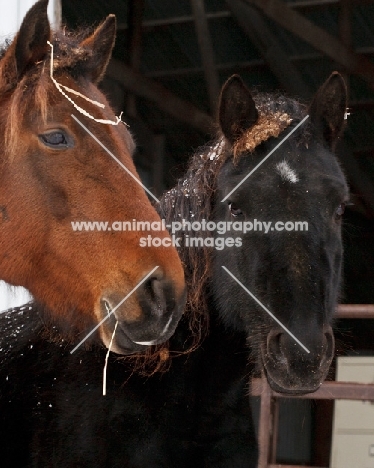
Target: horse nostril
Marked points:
274	346
329	344
149	289
108	308
158	294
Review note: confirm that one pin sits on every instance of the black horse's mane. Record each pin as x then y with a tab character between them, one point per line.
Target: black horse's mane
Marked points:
192	199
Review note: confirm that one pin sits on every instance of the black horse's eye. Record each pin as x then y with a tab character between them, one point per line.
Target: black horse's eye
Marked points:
340	210
234	210
56	139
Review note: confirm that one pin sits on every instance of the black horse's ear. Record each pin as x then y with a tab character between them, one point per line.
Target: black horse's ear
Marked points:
328	108
101	43
28	47
237	111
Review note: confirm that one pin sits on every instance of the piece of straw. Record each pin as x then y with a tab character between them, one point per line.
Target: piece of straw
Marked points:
106	359
60	88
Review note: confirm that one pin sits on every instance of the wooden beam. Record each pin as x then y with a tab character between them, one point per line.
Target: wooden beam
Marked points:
244	65
355	311
226	67
345	32
329	390
307	4
298	5
206	51
158	164
278	465
366	150
367	104
252	22
320	39
161	22
148	89
359	179
136	11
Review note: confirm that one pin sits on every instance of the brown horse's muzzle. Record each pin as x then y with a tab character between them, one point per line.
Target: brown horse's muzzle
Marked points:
160	308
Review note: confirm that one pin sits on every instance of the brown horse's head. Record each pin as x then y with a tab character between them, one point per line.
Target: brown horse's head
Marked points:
54	173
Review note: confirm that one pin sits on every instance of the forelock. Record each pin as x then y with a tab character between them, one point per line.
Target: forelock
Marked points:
34	88
276	113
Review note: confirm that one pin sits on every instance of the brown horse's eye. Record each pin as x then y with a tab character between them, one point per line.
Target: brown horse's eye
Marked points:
340	210
234	210
56	139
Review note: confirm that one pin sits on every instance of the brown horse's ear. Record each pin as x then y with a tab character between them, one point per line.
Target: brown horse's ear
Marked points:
101	43
328	108
28	47
237	111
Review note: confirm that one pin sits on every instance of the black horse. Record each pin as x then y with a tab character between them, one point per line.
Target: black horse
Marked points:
291	203
196	415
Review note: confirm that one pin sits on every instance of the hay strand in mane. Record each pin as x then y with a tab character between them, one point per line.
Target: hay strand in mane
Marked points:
267	125
61	89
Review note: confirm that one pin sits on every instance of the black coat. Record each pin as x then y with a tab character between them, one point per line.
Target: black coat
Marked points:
53	413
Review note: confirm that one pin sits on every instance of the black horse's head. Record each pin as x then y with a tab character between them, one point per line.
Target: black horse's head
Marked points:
285	230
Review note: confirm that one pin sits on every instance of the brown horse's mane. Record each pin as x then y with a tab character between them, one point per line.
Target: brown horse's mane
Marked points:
33	91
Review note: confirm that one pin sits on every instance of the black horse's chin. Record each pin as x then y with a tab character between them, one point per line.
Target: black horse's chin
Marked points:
292	388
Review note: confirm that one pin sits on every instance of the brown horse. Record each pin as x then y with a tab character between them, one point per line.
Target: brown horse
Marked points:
53	172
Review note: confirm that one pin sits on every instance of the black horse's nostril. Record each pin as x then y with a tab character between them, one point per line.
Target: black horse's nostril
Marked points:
329	344
283	350
274	346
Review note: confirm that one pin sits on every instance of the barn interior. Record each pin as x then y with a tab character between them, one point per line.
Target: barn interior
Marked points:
169	62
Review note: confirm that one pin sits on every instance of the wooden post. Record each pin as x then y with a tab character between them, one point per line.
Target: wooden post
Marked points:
158	163
265	428
251	20
345	32
207	52
136	10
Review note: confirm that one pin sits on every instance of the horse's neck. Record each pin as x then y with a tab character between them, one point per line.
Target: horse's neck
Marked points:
20	329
